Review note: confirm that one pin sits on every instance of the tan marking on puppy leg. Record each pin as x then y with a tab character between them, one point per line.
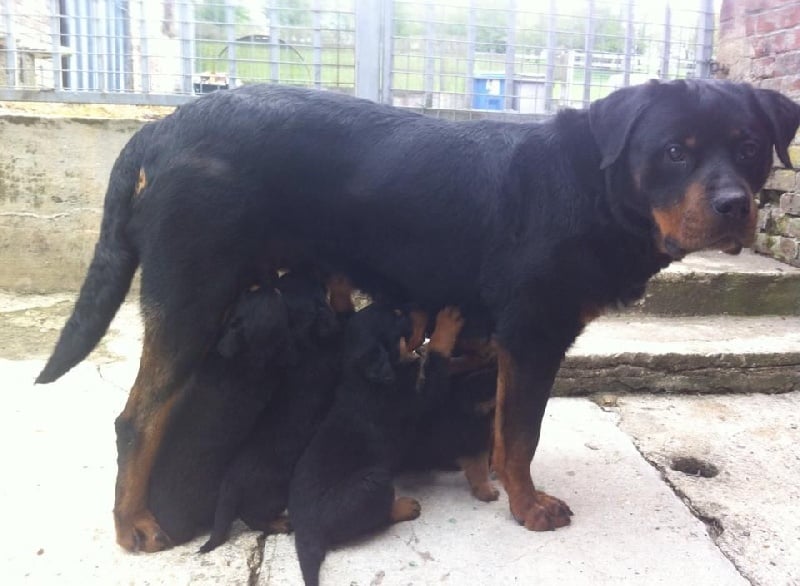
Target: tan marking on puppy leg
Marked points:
448	325
476	471
404	509
419	323
340	294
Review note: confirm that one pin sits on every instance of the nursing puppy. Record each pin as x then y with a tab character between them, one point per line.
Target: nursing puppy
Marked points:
225	396
256	485
456	435
342	486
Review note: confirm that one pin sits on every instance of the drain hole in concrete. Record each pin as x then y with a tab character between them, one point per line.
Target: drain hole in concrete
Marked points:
694	467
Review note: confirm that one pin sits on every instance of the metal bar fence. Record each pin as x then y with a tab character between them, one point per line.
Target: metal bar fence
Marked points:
509	57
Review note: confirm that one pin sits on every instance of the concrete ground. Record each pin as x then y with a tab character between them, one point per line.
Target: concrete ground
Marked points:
637	521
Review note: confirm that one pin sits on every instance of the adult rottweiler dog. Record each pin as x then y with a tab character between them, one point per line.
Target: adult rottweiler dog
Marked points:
342	487
255	486
218	409
533	229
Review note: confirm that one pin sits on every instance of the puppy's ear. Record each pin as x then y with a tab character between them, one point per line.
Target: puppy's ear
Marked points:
611	119
784	118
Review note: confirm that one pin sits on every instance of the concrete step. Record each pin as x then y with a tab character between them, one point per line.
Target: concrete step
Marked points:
709	354
713	283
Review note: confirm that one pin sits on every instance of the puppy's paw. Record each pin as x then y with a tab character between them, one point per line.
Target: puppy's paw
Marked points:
405	509
485	492
448	325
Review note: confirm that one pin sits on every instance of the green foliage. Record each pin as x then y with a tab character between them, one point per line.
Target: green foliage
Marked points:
212	16
291	13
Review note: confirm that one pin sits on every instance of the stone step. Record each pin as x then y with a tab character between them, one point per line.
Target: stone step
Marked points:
710	354
713	283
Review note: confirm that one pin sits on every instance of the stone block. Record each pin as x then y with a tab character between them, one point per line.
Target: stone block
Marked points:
790	204
782	180
792	228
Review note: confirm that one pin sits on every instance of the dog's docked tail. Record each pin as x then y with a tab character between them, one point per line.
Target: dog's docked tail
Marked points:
111	270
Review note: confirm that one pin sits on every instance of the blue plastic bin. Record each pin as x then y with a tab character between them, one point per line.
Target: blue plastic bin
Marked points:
489	92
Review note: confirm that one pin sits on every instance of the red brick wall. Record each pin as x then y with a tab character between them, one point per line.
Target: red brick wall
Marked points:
759	42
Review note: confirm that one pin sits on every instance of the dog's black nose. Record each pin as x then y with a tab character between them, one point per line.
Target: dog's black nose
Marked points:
732	204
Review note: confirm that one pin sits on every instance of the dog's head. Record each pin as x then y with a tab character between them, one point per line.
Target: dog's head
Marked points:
376	341
691	155
256	332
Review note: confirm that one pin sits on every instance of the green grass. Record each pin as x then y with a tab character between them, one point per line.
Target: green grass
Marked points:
295	64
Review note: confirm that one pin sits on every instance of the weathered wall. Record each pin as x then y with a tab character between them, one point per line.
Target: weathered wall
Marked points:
759	42
53	175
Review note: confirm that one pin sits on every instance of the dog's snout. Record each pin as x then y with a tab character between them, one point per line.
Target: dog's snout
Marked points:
733	204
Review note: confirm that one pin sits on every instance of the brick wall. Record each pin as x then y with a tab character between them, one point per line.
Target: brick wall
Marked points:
759	42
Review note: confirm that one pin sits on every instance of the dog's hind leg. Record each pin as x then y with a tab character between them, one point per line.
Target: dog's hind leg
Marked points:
181	322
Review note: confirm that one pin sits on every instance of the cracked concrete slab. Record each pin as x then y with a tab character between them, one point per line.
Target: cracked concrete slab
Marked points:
628	527
752	442
59	458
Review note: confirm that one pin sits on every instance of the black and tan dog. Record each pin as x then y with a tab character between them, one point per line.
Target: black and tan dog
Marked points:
456	434
222	402
256	485
342	486
533	229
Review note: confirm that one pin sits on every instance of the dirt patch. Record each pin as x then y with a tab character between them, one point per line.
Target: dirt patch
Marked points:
30	325
122	111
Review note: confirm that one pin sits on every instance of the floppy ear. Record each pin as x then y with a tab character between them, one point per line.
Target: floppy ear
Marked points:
784	118
611	119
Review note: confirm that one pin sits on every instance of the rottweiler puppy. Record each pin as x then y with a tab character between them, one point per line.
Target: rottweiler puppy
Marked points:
224	398
456	434
342	485
256	485
532	229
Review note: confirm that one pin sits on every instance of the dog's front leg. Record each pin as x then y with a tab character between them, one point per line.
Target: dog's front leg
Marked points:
523	388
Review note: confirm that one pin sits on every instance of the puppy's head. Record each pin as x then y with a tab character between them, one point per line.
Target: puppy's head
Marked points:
257	330
689	156
376	341
306	298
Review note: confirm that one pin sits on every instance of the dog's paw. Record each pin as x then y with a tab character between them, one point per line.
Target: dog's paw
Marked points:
448	325
485	492
542	512
405	508
141	533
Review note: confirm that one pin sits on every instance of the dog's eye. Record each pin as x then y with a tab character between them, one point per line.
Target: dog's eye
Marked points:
676	153
747	150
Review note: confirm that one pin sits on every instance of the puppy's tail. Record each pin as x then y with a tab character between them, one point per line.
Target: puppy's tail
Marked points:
310	553
112	267
224	516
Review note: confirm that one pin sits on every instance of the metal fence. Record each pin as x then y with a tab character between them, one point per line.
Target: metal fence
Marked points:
520	56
